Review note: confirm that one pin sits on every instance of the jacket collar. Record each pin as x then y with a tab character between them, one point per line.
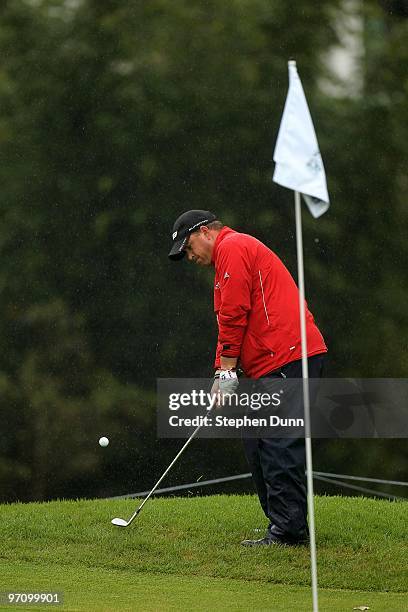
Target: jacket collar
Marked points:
223	233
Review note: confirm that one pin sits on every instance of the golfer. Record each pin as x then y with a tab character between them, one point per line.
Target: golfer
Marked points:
256	302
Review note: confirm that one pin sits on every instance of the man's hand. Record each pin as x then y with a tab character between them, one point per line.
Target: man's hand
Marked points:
215	389
228	382
225	383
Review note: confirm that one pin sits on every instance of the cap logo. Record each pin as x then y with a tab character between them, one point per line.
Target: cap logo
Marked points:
174	235
190	229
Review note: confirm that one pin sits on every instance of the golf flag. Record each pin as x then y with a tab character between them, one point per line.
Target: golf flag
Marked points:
299	165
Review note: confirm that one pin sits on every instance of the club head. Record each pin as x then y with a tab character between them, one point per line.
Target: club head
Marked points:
119	522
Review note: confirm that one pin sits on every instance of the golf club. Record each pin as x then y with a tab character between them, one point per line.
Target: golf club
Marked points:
119	522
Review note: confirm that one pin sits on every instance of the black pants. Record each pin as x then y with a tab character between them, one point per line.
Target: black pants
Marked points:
278	465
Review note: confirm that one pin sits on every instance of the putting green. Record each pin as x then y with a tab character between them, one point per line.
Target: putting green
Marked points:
110	590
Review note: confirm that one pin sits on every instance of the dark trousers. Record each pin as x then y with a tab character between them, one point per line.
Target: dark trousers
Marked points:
278	464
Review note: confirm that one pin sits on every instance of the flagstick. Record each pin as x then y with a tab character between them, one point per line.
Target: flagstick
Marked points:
306	399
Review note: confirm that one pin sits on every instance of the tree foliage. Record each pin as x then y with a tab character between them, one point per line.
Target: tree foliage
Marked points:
114	119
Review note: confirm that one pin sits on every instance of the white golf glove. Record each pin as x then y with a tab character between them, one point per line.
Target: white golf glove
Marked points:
225	383
228	382
215	389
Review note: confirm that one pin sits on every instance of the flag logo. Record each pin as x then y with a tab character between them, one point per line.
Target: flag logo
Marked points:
315	163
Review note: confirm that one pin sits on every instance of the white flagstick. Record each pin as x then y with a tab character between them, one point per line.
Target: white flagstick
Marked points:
299	166
306	400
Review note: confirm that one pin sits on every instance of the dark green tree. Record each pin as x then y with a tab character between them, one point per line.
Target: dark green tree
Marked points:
116	117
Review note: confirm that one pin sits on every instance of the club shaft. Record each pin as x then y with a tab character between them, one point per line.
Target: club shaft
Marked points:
165	473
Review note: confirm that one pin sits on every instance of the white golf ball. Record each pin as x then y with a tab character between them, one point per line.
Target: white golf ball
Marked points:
103	441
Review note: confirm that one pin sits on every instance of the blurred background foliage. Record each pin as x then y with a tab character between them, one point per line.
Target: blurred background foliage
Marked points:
114	119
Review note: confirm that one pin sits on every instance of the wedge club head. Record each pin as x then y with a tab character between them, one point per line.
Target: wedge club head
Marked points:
119	522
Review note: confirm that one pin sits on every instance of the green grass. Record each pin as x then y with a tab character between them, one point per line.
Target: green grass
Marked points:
184	554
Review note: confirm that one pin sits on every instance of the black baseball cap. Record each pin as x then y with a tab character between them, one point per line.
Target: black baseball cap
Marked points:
186	224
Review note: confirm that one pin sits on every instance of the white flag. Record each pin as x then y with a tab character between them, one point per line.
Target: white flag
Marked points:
299	165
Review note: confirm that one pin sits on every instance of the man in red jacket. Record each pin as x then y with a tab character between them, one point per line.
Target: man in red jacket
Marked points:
256	302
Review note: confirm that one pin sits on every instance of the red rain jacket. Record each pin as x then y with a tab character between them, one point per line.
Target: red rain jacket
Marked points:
256	302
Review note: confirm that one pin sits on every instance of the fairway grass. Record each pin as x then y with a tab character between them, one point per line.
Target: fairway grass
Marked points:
184	553
102	589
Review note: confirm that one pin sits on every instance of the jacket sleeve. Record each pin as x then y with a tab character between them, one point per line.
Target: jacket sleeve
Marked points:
235	291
